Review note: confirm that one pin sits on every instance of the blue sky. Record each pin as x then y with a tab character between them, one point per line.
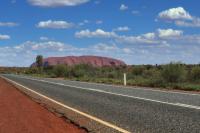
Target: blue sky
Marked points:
136	31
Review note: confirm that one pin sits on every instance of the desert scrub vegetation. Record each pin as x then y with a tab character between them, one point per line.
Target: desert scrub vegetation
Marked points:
194	74
174	75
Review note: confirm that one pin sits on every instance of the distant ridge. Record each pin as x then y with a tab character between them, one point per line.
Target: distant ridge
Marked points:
96	61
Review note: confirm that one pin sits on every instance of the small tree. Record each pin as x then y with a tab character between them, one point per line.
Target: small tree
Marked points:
39	61
195	74
61	71
173	73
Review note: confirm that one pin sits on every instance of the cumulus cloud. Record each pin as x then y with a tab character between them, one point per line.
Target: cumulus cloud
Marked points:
150	35
124	28
4	37
123	7
48	46
180	17
99	33
57	3
175	14
8	24
55	24
194	23
147	38
159	38
169	33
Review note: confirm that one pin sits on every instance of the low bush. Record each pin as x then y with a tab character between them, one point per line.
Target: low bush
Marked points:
173	73
60	71
195	74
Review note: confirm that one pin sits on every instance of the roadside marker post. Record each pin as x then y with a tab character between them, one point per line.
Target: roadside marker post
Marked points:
124	79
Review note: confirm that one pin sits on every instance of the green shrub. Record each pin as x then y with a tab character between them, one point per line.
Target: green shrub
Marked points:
137	70
173	73
195	74
186	87
151	73
32	70
60	71
83	70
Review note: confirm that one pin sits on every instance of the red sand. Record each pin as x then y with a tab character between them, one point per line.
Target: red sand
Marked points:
19	114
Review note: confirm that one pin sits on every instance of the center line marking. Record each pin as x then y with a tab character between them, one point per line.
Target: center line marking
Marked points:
117	94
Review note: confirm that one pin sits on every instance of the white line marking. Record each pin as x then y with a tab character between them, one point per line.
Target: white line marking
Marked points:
73	109
136	88
127	87
142	88
111	93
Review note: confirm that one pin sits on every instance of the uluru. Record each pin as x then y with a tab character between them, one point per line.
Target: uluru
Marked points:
95	61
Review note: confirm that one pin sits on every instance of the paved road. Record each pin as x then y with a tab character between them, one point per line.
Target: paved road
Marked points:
133	109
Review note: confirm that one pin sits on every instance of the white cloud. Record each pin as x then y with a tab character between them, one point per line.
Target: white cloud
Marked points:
55	24
99	22
127	50
194	23
4	37
175	14
148	38
84	22
43	38
124	28
142	39
87	22
105	47
180	17
57	3
168	33
149	35
160	36
8	24
123	7
99	33
135	12
44	47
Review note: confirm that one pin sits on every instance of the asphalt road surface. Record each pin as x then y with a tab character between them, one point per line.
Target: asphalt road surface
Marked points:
133	109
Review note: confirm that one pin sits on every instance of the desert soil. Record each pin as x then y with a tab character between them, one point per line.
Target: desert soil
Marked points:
20	114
